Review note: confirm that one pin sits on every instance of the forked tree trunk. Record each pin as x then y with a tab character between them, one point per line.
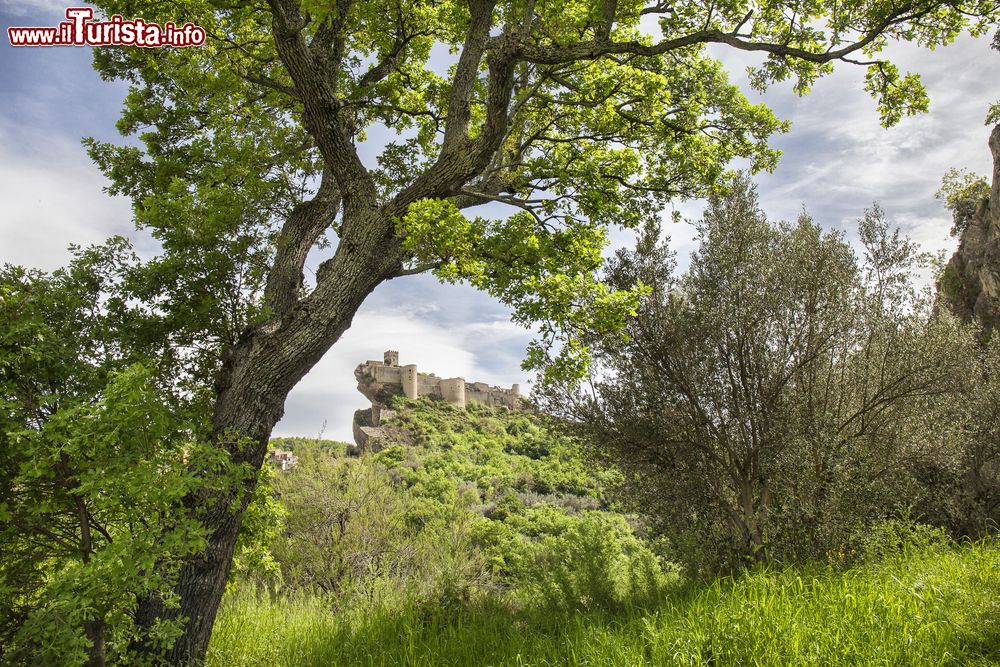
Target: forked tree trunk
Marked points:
255	379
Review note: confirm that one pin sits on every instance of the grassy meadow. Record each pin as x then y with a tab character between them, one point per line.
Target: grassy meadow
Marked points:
936	606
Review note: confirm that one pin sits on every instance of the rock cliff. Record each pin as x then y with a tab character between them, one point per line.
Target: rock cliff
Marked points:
971	281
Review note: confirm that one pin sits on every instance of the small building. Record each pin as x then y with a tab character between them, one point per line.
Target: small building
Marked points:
283	459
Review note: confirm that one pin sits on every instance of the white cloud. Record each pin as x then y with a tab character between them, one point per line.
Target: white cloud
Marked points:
53	197
838	159
840	117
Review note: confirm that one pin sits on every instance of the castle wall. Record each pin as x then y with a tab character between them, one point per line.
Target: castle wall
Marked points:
388	374
453	392
492	396
428	385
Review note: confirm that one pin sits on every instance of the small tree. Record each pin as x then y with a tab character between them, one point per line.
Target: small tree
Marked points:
767	400
94	456
345	522
962	193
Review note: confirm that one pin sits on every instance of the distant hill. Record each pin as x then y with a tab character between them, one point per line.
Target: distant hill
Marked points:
298	442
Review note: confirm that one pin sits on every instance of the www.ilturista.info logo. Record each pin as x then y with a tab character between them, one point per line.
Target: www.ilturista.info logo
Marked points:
80	30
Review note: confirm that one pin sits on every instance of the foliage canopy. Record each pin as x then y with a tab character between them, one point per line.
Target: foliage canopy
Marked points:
568	117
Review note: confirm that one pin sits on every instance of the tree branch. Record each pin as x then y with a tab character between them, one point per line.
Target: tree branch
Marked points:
466	73
322	116
589	50
415	270
301	230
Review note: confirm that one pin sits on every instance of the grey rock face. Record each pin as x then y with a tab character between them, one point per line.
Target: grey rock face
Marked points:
971	282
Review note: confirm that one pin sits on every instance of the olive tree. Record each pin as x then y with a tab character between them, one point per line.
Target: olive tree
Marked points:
777	394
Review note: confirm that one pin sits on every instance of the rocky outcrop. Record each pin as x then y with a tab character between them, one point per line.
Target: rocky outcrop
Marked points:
970	285
367	436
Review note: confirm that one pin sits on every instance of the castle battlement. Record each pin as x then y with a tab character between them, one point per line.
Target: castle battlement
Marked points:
380	380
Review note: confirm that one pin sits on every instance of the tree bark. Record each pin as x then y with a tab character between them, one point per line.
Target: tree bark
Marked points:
94	629
96	654
256	376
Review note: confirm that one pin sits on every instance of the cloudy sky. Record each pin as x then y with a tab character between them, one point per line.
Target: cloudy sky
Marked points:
837	161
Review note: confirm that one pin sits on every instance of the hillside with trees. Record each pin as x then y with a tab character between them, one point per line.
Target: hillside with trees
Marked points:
458	504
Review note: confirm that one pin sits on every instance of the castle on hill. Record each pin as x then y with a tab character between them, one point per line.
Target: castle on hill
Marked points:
380	380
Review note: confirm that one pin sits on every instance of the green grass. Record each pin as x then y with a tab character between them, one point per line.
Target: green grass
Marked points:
939	607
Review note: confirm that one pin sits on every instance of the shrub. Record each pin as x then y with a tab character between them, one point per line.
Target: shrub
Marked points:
894	537
595	562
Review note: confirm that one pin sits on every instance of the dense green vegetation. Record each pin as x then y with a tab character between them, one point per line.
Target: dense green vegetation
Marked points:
485	538
458	505
95	458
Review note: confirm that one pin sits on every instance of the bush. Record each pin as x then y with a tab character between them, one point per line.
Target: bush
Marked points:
352	532
594	562
780	392
894	537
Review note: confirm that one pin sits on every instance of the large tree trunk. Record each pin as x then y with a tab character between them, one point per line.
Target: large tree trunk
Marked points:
255	379
258	373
